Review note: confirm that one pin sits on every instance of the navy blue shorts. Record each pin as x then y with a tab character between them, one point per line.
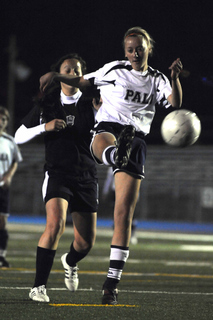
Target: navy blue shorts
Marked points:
135	166
81	196
4	201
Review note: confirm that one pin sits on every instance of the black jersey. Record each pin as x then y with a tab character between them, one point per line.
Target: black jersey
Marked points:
67	151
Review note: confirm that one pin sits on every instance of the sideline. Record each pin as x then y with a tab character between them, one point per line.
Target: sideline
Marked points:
183	227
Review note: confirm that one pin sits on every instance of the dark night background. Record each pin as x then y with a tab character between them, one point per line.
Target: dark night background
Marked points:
46	30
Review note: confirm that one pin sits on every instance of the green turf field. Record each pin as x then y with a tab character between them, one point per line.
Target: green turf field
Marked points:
167	276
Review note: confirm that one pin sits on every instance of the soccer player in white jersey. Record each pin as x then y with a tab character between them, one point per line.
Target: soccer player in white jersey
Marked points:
131	91
9	158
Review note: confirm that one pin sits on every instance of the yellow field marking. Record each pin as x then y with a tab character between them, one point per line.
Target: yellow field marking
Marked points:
92	305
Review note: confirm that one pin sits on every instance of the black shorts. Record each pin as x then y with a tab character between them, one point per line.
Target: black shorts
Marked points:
81	196
4	201
135	166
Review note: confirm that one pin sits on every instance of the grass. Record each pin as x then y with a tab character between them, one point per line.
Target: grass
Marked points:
167	276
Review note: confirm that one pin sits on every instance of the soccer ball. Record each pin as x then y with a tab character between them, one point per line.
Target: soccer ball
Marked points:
181	128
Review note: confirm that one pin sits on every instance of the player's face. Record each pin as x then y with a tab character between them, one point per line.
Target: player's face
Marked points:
137	52
70	67
3	122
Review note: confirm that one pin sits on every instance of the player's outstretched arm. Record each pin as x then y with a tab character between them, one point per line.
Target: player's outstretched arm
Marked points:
49	78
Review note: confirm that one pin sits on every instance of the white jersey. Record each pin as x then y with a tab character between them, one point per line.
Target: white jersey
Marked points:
9	153
130	96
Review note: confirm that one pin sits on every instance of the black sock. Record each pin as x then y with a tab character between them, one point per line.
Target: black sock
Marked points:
110	284
118	257
44	262
74	256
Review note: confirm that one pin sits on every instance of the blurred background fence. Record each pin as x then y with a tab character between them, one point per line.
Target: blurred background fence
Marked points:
178	185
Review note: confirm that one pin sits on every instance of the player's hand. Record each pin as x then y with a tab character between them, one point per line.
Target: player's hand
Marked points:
55	125
176	68
46	80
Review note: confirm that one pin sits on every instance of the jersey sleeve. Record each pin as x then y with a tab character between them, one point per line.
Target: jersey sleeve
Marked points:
32	119
30	127
99	77
164	89
24	134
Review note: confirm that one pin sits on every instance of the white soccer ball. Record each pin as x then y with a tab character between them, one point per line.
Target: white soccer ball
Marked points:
181	128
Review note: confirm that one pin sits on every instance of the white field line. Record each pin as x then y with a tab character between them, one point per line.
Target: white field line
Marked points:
197	248
126	291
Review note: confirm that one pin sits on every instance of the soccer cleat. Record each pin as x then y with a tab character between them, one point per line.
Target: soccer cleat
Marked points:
71	275
4	263
124	146
39	294
110	296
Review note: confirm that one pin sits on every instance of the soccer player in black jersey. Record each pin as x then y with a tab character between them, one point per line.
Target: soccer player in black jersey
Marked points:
131	91
65	116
